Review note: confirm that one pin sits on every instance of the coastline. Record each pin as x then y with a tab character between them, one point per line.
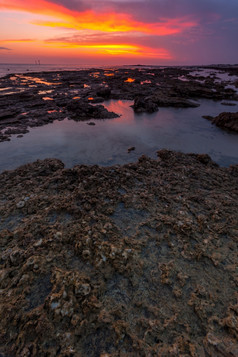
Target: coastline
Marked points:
127	260
35	99
59	105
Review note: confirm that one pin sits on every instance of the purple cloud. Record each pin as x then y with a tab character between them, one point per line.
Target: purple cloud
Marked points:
77	5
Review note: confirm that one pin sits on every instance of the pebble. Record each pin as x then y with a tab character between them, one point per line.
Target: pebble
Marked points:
20	204
131	149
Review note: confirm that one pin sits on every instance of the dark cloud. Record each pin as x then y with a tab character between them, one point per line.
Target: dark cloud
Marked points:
73	4
5	48
154	10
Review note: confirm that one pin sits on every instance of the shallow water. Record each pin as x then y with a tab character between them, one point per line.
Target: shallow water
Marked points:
107	142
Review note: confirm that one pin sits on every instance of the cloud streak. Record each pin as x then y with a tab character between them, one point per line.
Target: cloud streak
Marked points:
18	40
109	43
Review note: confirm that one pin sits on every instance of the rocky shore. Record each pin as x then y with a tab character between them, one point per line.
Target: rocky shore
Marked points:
134	260
35	99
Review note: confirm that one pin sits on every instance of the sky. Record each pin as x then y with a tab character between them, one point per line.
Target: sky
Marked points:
110	32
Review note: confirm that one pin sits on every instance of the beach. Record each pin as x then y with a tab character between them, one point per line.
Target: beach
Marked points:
136	259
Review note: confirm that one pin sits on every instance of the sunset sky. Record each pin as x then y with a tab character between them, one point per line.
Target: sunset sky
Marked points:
119	31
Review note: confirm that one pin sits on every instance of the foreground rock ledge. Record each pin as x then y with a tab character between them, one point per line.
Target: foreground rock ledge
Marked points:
137	260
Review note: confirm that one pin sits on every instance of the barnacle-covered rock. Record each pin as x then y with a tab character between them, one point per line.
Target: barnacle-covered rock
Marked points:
136	260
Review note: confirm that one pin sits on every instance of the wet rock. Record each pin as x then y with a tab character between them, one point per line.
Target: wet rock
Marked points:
104	92
9	113
208	117
225	120
132	148
172	101
142	105
82	110
228	104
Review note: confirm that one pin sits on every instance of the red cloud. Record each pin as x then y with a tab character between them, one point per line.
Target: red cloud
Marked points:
103	21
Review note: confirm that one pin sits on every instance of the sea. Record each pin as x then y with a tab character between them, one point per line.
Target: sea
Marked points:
107	142
6	68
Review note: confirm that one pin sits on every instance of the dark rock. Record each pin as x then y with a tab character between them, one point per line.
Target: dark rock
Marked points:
142	105
228	104
9	113
208	117
131	149
104	92
172	101
81	110
225	121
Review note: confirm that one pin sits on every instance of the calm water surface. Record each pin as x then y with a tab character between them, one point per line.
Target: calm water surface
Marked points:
106	143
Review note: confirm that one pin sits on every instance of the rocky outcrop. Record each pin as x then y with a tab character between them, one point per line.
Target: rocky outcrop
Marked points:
228	121
80	110
152	103
142	105
163	100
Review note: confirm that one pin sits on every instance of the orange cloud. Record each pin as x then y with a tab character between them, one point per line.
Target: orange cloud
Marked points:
111	22
113	49
105	22
36	7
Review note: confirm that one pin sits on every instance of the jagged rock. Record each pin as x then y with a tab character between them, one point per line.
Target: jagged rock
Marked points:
225	120
82	110
142	105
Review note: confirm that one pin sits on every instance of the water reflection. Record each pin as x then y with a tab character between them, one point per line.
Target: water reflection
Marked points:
107	142
37	80
130	80
145	82
47	98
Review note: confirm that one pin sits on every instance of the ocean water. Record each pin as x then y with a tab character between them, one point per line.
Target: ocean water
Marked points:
6	68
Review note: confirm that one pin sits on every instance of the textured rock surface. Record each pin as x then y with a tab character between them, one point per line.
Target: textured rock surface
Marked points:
227	121
137	260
